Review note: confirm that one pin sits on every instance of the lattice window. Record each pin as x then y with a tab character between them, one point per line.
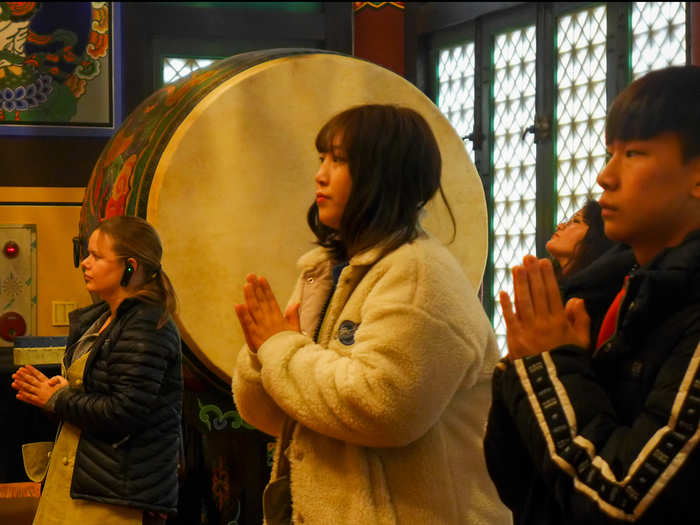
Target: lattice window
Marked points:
456	86
580	107
658	36
514	185
176	68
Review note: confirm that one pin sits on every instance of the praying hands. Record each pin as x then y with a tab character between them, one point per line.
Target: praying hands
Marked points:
260	316
540	321
35	388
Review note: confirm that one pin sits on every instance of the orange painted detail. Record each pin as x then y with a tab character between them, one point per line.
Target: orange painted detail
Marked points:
68	55
377	5
21	8
119	145
32	61
76	85
38	39
98	45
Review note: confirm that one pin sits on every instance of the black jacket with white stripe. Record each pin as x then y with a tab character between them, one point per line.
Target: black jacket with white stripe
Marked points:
130	410
611	436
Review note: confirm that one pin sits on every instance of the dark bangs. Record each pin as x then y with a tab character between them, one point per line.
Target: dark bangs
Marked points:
333	128
667	100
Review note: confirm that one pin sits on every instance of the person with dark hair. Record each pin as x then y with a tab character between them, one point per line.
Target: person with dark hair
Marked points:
375	381
575	246
579	241
119	400
605	429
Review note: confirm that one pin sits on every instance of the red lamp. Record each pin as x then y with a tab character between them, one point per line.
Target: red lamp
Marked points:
11	249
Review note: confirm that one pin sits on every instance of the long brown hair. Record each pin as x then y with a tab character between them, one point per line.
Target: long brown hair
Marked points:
134	237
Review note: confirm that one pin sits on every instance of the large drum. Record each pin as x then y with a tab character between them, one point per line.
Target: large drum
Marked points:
222	163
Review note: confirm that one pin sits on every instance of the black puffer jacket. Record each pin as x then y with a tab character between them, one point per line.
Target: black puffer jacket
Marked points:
575	438
130	411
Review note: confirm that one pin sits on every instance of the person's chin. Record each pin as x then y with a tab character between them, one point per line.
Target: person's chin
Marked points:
614	232
552	247
328	223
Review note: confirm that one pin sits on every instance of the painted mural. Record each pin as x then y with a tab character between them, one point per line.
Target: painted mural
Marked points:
55	63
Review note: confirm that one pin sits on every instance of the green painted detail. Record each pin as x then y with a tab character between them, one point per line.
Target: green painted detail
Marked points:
10	57
219	420
61	106
8	304
28	281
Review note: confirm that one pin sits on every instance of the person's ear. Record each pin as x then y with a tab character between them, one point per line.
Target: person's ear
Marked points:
133	263
130	267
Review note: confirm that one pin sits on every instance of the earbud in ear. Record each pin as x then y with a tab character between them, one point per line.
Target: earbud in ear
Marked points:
128	272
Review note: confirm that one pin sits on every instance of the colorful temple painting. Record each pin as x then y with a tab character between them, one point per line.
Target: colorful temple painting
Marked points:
56	63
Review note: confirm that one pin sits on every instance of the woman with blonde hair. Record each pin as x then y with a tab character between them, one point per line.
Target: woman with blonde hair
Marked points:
119	399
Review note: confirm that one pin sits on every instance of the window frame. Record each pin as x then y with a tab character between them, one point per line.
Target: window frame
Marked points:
482	31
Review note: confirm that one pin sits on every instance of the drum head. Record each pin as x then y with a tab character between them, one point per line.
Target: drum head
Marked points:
231	189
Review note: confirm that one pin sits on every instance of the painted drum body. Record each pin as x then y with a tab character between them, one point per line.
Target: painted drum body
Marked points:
222	163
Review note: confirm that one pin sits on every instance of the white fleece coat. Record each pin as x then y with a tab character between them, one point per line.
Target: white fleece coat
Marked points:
390	406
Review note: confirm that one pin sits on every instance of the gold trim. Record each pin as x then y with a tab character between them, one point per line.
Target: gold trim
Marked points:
357	6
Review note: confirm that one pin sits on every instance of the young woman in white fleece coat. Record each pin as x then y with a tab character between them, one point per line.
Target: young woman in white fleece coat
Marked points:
376	379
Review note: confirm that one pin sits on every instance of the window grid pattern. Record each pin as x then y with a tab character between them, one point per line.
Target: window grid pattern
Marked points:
514	183
580	107
176	68
658	36
456	86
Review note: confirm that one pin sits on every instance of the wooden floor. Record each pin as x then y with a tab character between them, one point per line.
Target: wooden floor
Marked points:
18	502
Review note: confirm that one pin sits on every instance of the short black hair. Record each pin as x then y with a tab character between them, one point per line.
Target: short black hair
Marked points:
395	167
666	100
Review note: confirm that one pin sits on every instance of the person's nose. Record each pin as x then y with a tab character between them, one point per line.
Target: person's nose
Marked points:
321	177
607	178
84	263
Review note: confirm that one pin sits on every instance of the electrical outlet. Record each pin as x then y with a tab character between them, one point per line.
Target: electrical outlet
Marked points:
60	311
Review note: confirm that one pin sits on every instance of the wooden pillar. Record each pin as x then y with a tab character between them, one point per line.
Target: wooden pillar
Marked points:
695	33
379	33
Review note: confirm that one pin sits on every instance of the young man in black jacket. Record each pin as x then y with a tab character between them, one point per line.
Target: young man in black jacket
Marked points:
605	429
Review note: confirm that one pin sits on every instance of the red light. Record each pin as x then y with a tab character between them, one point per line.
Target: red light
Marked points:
11	249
